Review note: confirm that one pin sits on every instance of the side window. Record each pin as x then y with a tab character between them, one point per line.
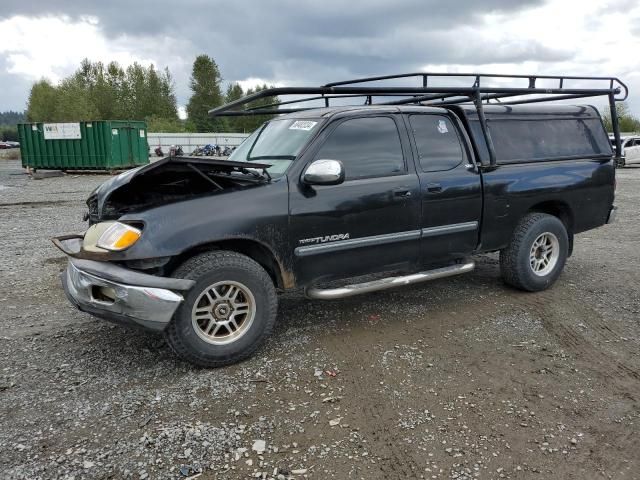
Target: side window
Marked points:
437	142
528	140
368	147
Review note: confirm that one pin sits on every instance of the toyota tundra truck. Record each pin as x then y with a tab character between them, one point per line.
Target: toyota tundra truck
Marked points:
405	187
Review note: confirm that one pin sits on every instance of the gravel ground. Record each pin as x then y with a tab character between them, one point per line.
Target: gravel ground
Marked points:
459	378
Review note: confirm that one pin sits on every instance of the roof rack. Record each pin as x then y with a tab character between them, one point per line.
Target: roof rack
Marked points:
458	88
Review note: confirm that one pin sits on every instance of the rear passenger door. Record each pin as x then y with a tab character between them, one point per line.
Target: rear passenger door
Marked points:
368	223
450	188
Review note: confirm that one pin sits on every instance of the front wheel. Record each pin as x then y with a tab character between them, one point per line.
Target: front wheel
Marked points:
228	312
536	254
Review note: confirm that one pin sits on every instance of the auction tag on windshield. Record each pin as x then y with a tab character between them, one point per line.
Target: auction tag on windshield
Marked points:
302	125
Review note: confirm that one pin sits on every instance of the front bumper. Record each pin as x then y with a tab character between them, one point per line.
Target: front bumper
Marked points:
121	295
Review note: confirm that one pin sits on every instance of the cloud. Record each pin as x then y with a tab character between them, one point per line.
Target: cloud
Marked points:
15	89
23	41
287	42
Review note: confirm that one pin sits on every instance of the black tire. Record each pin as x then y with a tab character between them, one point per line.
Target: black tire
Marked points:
515	262
620	163
207	269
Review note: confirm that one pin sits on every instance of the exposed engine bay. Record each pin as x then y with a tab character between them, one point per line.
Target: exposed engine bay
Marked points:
171	179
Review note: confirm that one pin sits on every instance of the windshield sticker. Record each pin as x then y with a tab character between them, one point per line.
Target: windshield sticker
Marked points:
442	126
302	125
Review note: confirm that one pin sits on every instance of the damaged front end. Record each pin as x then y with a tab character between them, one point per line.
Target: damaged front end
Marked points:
169	180
100	279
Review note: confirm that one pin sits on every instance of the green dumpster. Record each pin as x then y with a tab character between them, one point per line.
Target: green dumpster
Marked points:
98	145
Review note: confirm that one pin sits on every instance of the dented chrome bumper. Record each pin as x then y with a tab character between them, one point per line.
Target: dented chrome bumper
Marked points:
121	295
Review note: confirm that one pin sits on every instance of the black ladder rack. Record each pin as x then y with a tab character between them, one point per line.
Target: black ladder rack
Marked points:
459	88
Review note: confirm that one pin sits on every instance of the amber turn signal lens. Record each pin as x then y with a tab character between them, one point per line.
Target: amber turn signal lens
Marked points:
119	236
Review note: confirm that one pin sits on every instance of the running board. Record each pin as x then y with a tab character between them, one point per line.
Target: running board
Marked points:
389	282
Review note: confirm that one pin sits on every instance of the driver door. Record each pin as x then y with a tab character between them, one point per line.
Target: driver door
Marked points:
370	222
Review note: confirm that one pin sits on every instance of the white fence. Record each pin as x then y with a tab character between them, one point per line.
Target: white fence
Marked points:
190	141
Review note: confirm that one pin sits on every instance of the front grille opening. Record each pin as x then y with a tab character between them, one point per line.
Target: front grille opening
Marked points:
103	294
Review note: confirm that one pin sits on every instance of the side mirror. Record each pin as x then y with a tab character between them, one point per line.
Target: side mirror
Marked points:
324	172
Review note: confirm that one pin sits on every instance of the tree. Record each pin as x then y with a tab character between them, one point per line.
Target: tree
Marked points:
626	120
99	92
8	125
42	101
74	102
157	123
250	123
234	92
12	118
167	103
8	133
205	85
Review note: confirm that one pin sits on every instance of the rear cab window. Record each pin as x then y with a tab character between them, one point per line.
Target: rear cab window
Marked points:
367	147
437	142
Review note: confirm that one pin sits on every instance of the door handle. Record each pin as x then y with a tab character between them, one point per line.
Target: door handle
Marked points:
434	187
402	193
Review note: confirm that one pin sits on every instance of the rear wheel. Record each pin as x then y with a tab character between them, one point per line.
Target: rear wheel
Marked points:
536	254
227	314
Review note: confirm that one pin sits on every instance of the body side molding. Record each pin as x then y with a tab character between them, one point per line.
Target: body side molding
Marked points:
341	245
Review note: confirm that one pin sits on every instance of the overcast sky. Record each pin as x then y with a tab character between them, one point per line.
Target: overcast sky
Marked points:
297	42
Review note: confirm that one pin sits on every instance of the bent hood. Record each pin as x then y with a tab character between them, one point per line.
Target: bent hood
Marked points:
168	180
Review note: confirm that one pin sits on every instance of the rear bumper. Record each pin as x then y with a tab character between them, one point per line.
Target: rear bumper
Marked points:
121	295
612	215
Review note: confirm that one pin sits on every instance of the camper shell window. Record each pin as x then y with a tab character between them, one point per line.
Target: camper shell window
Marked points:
530	134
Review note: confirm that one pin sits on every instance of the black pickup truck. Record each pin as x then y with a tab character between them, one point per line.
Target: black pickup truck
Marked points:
403	191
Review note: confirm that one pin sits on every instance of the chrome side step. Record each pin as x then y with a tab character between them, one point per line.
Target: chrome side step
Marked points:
389	282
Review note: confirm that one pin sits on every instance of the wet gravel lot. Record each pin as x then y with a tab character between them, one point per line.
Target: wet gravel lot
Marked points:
459	378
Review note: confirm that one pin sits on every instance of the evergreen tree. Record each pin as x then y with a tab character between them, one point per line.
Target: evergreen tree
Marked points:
12	118
8	124
250	123
234	92
205	85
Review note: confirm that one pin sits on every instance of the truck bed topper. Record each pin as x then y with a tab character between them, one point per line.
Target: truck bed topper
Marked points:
439	89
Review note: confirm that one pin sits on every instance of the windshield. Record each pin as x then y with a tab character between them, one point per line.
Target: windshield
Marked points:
277	143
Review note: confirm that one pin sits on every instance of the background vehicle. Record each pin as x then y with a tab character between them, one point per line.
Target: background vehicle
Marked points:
206	151
227	151
630	150
197	248
158	151
176	151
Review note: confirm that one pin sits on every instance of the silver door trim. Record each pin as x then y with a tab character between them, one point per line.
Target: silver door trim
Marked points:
356	243
342	245
446	229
